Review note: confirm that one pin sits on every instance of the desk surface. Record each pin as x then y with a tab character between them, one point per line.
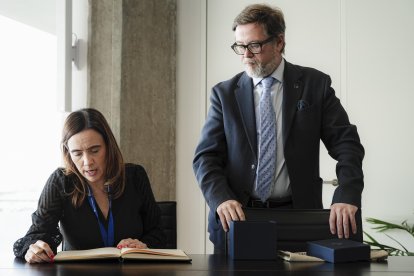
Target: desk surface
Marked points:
209	265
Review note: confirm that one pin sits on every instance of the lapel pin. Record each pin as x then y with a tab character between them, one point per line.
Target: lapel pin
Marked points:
302	104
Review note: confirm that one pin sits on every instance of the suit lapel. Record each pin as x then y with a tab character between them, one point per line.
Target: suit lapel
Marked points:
292	91
245	100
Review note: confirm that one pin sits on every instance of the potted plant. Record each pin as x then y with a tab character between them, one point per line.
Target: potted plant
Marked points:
384	226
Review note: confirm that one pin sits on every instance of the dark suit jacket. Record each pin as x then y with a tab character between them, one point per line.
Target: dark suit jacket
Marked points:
226	156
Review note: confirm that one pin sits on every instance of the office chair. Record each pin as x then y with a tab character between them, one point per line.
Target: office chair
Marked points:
169	222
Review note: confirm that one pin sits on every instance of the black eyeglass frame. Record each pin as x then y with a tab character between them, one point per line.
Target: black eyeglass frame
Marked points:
246	47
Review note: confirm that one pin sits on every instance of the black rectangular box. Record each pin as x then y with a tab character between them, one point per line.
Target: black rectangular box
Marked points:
296	227
252	240
339	250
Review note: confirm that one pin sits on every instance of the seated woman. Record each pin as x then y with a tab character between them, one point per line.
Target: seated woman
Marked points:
97	199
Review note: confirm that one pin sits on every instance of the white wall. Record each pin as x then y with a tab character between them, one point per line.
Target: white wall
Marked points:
380	67
365	46
191	105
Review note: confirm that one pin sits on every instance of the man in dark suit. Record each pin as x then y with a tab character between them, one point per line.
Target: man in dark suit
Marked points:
228	162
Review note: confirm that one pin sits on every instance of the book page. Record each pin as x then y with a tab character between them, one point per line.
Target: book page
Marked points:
154	254
97	253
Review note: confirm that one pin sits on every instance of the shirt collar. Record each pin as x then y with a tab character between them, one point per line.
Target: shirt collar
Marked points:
277	74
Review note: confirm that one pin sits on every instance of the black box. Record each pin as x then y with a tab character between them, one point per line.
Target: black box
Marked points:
296	227
339	250
252	240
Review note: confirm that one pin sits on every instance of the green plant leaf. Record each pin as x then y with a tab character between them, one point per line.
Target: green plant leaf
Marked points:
382	226
397	242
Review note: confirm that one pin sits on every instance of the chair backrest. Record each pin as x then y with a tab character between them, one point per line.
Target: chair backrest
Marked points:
169	222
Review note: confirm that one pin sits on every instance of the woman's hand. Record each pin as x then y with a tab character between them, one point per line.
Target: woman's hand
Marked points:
39	252
131	243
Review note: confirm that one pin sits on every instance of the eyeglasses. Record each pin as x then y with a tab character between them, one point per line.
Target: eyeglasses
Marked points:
254	47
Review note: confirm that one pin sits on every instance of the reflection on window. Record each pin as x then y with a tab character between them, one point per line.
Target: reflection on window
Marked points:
29	120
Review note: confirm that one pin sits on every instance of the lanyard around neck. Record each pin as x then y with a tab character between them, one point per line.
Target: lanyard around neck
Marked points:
107	236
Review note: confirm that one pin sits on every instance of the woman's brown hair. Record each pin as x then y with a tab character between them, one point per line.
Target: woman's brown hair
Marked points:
89	118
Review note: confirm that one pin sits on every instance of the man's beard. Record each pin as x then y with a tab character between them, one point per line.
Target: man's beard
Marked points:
259	70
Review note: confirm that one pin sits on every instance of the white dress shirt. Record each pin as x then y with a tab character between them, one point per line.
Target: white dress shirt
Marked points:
281	182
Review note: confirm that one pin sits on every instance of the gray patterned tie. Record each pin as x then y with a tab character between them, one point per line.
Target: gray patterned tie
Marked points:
267	142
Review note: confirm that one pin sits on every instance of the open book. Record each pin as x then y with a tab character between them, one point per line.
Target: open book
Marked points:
124	253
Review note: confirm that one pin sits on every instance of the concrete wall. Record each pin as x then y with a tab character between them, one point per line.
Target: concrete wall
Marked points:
131	77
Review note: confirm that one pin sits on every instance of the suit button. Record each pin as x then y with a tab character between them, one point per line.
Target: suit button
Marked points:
253	166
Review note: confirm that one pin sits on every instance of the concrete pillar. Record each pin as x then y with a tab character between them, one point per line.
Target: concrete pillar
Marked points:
132	54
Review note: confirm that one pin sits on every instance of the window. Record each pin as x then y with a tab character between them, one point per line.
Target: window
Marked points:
30	122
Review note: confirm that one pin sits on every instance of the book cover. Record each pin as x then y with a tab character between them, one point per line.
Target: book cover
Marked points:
124	253
339	250
252	240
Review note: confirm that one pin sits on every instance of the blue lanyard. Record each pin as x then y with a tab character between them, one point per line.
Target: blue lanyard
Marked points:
107	236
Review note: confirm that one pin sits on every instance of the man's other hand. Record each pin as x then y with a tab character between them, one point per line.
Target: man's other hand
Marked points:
342	219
